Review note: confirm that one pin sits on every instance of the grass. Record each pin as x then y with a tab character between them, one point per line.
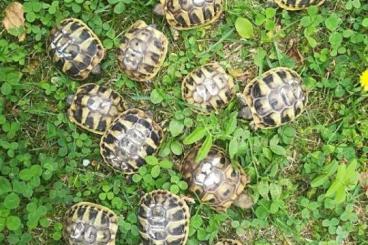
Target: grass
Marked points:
292	168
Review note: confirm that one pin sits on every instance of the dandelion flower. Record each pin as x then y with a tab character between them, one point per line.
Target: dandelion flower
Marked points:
364	80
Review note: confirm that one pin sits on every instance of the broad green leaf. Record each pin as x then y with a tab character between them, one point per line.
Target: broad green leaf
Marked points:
176	127
156	97
336	185
340	195
233	147
351	173
318	181
275	148
119	8
136	178
174	189
231	123
259	58
11	201
166	164
195	136
5	185
176	148
332	22
263	189
155	172
275	191
244	27
204	149
151	160
25	174
13	223
196	221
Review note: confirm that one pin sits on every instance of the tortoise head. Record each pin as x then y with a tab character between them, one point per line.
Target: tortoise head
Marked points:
245	112
159	8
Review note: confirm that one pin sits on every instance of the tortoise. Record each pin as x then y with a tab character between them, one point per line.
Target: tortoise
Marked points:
75	49
294	5
163	218
142	52
90	223
228	242
273	99
208	88
131	137
215	180
189	14
93	107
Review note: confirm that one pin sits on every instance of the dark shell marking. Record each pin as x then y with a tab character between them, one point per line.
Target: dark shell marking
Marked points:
208	88
89	223
163	219
228	242
94	107
132	136
187	14
75	49
298	4
142	52
275	98
214	179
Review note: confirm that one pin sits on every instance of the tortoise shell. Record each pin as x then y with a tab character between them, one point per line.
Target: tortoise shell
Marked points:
275	98
228	242
208	88
190	14
130	138
163	219
214	180
298	4
142	51
94	107
89	223
75	49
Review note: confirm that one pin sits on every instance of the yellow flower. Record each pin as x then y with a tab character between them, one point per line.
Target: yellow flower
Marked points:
364	80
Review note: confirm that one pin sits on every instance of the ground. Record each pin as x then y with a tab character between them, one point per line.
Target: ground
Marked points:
303	176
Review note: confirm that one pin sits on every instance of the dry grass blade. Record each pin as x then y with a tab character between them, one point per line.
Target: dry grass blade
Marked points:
14	19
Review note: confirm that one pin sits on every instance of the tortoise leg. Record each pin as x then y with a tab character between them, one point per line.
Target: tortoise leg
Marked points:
244	201
245	112
174	33
96	70
159	10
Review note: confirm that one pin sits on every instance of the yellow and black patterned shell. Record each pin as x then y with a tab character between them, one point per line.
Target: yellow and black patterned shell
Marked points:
228	242
130	138
214	180
208	88
75	49
190	14
87	223
142	51
298	4
94	107
163	219
275	98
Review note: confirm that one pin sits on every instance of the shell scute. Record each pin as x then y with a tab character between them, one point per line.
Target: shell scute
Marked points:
75	49
163	218
94	107
89	223
192	13
275	98
131	137
214	179
294	5
142	52
208	88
